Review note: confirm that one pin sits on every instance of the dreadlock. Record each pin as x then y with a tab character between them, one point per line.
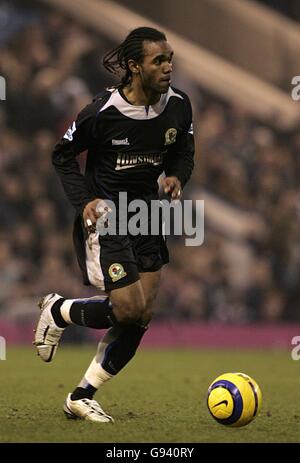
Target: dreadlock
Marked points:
116	60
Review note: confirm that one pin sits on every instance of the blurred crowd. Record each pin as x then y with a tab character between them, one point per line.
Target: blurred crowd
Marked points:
248	268
52	68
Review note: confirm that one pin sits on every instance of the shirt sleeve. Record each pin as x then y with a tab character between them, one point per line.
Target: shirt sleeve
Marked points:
78	138
179	160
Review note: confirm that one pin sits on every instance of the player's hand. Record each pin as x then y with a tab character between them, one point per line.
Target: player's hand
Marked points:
91	215
172	186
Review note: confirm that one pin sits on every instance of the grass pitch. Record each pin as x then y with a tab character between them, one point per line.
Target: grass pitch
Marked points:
159	397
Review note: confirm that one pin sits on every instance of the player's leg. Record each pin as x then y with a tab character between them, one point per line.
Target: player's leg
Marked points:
150	283
109	264
127	338
119	346
124	305
99	259
114	351
57	313
120	343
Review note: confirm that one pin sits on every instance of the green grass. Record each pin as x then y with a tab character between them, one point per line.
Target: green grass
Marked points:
159	397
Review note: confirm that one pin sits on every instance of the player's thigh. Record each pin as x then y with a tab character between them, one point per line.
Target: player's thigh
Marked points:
150	283
128	302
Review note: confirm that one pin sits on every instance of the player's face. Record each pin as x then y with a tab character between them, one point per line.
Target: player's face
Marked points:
156	68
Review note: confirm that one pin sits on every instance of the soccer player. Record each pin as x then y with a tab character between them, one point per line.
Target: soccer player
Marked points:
133	132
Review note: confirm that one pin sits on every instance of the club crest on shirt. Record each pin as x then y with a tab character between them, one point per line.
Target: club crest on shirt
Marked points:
170	136
116	272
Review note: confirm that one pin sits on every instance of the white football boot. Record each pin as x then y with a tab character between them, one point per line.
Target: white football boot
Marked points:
47	333
85	409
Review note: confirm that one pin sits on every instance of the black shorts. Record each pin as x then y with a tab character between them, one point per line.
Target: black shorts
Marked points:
110	262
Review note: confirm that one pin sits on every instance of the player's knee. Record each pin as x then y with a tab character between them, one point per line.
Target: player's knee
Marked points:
146	316
148	311
128	312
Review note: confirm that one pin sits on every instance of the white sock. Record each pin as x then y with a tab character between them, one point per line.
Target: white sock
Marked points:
95	374
65	310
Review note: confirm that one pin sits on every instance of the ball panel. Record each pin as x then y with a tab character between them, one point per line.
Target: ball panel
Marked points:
220	403
249	404
236	398
256	391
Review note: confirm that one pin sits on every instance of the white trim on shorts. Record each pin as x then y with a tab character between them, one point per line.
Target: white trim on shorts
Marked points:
93	265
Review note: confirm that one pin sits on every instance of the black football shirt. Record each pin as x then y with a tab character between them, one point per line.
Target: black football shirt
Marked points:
128	147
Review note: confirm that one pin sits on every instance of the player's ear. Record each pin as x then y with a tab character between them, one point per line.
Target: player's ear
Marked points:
133	66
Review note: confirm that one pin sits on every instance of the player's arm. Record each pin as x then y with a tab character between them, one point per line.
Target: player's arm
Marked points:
179	162
77	139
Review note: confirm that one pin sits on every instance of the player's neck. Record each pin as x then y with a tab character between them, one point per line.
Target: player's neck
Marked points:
139	96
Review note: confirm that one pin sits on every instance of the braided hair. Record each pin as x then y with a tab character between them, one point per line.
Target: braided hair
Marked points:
116	60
